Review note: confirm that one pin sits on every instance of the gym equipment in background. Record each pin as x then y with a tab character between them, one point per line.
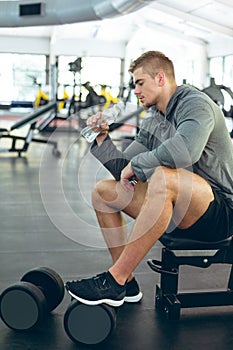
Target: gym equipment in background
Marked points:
49	112
24	304
215	92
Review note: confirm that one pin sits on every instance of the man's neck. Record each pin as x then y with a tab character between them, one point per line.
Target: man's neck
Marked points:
165	98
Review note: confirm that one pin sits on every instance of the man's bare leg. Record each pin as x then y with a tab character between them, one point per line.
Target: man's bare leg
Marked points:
109	199
172	194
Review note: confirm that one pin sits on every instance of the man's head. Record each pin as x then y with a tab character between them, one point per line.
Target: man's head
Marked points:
152	62
154	79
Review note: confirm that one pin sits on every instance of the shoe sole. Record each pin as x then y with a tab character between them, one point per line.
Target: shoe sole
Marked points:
134	299
109	302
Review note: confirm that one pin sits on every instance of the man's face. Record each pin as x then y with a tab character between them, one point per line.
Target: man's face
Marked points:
146	88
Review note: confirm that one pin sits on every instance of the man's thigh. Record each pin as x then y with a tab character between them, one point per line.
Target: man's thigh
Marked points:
191	195
214	225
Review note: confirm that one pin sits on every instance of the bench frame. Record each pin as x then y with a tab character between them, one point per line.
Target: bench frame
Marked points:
169	300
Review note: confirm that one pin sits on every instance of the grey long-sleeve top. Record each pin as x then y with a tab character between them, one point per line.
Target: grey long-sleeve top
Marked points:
192	135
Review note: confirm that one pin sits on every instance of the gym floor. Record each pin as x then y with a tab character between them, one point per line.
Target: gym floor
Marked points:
47	220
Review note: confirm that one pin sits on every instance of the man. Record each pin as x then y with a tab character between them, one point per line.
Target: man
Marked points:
182	161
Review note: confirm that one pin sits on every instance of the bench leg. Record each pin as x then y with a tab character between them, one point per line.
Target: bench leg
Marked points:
167	304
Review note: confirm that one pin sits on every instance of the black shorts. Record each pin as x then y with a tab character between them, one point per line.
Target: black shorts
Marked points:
215	225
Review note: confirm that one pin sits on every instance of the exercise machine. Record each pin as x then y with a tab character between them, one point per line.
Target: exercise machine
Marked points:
36	125
215	92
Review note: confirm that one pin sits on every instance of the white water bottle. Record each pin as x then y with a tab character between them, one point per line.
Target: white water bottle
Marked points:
109	116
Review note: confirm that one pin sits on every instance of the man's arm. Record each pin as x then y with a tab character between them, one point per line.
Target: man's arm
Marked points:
185	146
112	158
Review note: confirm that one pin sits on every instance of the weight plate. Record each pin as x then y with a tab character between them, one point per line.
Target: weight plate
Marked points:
22	306
50	284
89	324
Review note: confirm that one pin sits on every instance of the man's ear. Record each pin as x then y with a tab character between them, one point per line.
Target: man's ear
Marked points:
161	78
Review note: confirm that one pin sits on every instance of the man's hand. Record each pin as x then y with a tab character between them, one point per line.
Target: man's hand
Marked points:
128	178
98	124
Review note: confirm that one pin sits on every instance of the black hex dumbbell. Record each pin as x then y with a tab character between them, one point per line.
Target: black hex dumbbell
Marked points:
24	304
89	324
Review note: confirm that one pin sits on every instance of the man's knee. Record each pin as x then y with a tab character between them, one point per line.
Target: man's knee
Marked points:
102	190
110	194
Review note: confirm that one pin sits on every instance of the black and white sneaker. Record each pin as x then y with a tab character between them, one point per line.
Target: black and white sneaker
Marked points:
133	293
97	290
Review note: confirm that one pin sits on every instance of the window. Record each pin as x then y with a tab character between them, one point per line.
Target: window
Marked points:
19	76
228	71
221	69
216	69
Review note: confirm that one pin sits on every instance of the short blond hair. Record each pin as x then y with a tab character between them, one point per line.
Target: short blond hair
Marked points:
152	62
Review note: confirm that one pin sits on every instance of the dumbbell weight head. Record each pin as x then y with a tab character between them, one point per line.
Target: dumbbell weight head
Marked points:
24	304
49	282
89	324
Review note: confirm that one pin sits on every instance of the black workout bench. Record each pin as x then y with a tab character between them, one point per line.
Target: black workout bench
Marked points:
177	252
37	124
